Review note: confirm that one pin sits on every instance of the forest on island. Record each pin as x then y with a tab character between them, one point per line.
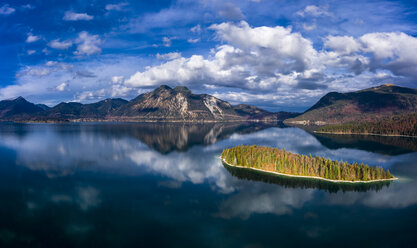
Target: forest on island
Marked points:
395	125
281	161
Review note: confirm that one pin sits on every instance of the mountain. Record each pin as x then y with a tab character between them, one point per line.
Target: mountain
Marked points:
19	107
164	103
365	105
43	106
75	110
180	104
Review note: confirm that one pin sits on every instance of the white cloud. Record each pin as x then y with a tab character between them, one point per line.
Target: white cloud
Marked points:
72	16
387	51
309	27
289	49
32	38
41	81
196	29
61	45
342	44
117	79
193	40
30	52
35	72
51	63
313	10
62	87
167	41
392	51
185	71
6	10
168	56
117	7
263	57
279	64
87	44
254	65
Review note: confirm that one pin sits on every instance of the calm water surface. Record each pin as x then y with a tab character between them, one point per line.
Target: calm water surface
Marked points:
159	185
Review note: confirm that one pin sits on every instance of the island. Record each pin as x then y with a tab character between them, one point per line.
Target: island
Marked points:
282	162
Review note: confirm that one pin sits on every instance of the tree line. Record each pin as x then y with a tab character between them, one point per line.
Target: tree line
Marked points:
281	161
395	125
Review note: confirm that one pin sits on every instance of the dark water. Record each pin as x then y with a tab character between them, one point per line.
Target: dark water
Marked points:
162	185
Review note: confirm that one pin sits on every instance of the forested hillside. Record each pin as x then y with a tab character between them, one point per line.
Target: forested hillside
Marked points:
281	161
405	125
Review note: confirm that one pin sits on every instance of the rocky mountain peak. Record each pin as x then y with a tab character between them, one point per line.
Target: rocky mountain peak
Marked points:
20	99
162	88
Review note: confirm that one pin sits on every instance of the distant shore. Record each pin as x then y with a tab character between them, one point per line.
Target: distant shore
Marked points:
312	177
127	120
370	134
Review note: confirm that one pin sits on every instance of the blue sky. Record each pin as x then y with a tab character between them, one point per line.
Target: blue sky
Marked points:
279	55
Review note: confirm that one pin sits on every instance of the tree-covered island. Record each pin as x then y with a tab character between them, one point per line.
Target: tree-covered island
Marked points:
282	162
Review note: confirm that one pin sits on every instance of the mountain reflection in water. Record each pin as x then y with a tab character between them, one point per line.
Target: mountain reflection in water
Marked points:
389	145
152	184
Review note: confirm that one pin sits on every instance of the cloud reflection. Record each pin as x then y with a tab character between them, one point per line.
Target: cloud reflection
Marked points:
69	151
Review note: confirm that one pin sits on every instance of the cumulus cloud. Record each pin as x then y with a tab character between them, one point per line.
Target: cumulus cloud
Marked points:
61	45
255	58
374	51
393	51
282	64
265	64
342	44
6	10
87	44
32	38
292	51
73	16
186	71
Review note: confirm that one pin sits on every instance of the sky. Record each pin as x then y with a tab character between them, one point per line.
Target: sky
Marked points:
278	55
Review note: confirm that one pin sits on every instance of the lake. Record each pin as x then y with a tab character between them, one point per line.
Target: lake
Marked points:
159	185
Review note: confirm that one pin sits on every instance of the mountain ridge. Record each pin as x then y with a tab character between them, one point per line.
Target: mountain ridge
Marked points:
369	104
164	103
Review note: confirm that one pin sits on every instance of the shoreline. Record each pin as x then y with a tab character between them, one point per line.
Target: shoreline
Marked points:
311	177
367	134
139	121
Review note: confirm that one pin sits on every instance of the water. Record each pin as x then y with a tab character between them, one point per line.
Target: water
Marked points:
159	185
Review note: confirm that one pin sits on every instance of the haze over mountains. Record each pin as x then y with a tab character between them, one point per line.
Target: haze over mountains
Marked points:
161	104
